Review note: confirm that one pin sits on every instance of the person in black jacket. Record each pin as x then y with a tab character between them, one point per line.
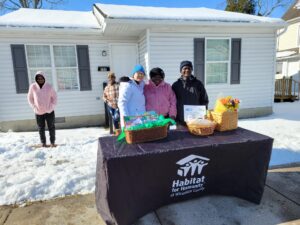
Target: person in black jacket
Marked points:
188	90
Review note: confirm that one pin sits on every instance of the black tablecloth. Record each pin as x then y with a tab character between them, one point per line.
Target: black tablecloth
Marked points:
132	180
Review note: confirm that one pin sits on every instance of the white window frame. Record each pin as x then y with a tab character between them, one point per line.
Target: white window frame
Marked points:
228	61
53	68
77	71
40	68
298	38
278	63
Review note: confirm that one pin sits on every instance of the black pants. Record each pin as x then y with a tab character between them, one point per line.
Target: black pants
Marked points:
40	120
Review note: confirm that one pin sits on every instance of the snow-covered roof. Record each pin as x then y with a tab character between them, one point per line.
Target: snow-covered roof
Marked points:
50	19
180	14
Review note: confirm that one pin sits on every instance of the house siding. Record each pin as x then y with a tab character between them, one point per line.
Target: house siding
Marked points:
143	51
161	48
257	63
289	39
70	103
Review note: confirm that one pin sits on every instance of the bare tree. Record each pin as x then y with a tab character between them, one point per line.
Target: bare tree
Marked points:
262	7
266	7
11	5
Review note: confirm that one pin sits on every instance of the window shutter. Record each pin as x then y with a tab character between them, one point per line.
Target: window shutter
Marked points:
235	61
20	68
84	67
199	60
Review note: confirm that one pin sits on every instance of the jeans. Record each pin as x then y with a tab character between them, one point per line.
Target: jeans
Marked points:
50	119
115	116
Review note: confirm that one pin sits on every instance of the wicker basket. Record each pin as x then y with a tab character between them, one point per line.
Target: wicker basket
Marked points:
202	128
144	135
225	120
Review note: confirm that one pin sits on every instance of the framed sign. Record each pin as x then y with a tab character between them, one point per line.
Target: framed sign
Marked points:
194	112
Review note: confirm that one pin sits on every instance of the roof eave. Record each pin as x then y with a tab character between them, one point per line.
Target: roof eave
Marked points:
294	20
192	23
78	30
297	56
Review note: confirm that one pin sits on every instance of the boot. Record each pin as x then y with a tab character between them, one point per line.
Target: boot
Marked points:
117	132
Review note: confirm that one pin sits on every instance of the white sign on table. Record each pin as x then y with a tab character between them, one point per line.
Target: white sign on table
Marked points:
194	112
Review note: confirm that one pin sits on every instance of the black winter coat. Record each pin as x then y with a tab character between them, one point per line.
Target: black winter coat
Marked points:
189	92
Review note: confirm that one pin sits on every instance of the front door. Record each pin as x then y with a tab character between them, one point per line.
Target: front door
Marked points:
123	58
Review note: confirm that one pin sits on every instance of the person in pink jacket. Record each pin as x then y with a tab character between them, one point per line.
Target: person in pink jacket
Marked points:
42	98
159	95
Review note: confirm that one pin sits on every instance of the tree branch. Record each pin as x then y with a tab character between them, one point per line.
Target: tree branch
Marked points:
12	5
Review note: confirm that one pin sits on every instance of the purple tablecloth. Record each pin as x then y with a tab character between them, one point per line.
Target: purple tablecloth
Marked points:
132	180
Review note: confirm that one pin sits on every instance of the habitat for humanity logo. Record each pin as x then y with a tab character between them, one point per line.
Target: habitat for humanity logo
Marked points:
190	169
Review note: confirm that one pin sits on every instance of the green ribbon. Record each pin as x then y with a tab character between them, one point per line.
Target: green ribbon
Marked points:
160	122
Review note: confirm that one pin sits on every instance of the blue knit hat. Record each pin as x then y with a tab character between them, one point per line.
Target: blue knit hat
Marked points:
138	68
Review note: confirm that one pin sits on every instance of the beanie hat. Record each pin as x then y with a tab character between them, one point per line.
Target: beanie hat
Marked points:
138	68
157	71
186	63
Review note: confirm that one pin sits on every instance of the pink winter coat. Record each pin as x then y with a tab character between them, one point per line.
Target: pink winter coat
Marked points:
42	100
160	98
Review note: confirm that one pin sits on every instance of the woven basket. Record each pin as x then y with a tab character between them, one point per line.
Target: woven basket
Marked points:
201	130
225	120
144	135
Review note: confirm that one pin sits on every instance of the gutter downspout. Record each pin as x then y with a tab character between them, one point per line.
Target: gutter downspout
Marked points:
148	61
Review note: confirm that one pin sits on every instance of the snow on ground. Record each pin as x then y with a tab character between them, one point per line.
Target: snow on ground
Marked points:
284	126
36	174
45	173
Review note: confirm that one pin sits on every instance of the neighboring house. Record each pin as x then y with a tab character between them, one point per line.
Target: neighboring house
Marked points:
233	54
288	44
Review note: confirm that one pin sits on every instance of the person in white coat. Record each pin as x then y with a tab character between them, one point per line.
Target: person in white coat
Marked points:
131	100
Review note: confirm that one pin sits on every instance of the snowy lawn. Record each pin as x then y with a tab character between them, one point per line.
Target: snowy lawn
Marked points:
37	174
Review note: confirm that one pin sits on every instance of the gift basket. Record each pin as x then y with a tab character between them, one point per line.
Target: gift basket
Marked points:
201	127
147	134
144	128
225	113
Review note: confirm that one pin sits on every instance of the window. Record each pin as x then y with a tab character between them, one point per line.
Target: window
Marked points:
298	37
58	62
39	58
66	67
217	61
279	67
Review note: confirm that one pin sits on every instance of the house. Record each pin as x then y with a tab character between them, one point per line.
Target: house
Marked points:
233	54
288	56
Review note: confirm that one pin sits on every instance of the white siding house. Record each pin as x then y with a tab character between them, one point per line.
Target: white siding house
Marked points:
288	45
117	38
257	64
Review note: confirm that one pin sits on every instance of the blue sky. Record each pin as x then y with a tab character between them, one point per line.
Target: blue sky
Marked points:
86	5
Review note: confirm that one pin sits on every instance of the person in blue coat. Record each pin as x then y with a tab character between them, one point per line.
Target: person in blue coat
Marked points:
131	100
